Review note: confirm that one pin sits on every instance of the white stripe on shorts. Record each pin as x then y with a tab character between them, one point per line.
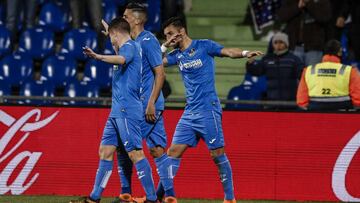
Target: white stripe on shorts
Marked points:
126	126
217	130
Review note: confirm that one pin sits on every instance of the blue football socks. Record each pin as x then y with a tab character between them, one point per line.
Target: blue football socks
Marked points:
163	164
226	178
125	166
145	176
102	177
171	173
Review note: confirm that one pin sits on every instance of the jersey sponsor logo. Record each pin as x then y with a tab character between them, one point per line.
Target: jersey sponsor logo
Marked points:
23	126
192	64
341	167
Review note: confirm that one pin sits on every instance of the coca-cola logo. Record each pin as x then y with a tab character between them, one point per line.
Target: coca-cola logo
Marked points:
15	126
341	167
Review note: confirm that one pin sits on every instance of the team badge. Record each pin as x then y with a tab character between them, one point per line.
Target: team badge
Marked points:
192	52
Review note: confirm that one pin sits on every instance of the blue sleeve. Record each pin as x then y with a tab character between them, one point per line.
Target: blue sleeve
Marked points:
127	51
171	58
213	48
153	52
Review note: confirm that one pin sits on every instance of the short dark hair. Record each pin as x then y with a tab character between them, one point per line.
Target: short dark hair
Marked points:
332	47
138	7
120	25
176	22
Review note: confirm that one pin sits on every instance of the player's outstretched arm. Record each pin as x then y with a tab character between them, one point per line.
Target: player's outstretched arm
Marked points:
239	53
113	59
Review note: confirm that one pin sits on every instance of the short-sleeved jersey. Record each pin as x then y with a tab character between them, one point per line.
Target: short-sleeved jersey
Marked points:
126	83
197	67
151	58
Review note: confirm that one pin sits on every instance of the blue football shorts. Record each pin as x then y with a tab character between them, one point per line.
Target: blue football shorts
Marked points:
124	132
154	133
204	125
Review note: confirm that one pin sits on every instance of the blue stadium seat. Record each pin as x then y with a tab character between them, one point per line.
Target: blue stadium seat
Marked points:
5	88
109	11
153	23
36	88
76	88
118	2
252	88
108	50
5	43
38	43
98	72
2	14
52	17
59	70
76	39
15	69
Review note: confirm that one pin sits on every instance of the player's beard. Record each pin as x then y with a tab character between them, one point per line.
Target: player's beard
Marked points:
177	45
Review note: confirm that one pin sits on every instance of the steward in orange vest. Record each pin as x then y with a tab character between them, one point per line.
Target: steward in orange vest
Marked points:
329	85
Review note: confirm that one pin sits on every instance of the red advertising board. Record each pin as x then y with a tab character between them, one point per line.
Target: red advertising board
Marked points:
278	156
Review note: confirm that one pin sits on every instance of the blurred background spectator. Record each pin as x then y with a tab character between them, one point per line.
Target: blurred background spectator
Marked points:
351	8
306	24
22	11
281	68
89	9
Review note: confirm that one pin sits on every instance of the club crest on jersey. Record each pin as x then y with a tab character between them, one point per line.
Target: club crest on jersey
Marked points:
192	52
115	67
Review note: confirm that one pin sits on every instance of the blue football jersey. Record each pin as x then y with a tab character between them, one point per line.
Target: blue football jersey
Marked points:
197	67
126	83
151	58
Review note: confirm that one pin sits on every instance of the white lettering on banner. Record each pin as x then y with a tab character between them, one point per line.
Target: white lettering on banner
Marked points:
18	186
341	167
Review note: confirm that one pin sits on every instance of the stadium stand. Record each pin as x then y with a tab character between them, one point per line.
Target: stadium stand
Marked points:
54	18
76	88
5	43
98	72
76	39
15	69
37	43
36	88
212	20
59	69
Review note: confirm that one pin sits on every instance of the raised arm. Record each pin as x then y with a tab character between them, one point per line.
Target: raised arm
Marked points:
239	53
113	59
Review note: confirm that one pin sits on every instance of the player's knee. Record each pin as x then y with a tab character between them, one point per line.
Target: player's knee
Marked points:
107	152
156	152
176	151
216	152
136	155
